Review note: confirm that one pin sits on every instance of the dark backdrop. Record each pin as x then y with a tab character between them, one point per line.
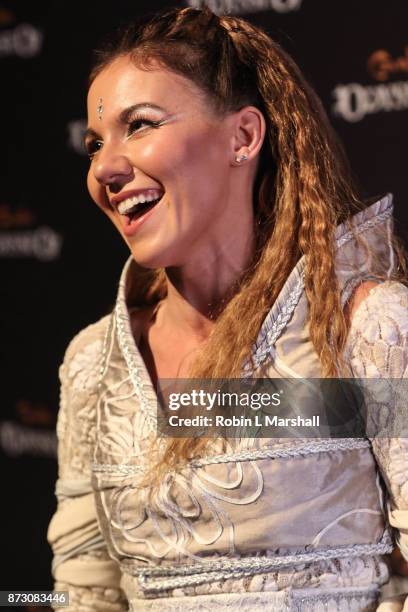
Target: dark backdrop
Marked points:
60	258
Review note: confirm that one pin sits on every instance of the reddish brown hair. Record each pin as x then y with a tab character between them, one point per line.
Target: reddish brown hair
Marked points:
302	191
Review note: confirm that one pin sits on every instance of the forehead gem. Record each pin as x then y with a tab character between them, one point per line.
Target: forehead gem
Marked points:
99	108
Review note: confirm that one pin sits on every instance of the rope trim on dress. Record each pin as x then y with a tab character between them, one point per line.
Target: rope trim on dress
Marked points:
124	469
322	446
156	579
278	325
359	229
128	348
304	450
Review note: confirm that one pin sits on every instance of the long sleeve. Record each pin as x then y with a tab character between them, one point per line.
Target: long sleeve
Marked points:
377	347
81	563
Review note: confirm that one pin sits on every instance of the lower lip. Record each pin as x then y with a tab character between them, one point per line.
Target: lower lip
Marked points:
131	227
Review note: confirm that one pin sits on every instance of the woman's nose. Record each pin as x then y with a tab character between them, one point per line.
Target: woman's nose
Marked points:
112	167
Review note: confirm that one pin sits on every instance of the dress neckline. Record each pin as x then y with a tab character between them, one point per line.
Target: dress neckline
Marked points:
378	213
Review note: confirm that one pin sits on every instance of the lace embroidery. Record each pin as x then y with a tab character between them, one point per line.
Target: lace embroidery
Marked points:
355	600
77	416
92	599
378	347
83	368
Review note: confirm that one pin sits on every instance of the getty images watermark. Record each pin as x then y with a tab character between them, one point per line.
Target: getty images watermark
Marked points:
209	401
282	408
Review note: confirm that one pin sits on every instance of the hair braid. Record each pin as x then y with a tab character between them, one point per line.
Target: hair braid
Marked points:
302	191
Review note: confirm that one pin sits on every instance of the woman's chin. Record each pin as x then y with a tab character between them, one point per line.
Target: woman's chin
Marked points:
149	259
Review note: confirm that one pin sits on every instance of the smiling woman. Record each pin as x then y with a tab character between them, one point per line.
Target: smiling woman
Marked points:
251	254
164	143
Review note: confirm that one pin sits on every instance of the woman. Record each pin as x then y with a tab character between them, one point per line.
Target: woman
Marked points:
251	253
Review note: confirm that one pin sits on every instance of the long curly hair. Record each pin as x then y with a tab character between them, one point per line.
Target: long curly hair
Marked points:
302	191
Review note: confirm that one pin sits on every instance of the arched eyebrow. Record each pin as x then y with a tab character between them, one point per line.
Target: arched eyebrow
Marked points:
125	115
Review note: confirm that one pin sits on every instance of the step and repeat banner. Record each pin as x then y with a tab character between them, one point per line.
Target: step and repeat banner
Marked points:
60	258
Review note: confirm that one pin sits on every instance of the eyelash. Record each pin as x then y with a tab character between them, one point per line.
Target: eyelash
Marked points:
131	130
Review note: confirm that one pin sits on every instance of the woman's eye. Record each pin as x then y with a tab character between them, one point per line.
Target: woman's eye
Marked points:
93	147
136	124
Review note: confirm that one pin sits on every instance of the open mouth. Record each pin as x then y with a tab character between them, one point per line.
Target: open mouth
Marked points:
140	209
133	208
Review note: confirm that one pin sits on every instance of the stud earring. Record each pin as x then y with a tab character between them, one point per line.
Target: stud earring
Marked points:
241	158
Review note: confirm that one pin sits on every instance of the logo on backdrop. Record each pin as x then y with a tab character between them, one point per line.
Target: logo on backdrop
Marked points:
17	440
33	433
240	7
381	65
354	101
25	41
41	243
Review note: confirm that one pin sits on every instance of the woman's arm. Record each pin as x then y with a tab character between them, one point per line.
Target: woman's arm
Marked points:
81	562
377	347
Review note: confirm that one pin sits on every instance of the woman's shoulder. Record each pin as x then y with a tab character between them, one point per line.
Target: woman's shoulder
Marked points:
87	335
377	343
82	359
375	303
79	375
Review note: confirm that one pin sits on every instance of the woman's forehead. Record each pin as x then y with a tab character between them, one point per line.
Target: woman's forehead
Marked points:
122	83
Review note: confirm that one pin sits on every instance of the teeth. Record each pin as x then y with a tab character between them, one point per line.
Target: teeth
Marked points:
126	206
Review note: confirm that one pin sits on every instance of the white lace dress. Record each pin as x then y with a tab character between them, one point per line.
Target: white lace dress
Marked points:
377	347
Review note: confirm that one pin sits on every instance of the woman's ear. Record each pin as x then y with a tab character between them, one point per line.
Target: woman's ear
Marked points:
249	134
